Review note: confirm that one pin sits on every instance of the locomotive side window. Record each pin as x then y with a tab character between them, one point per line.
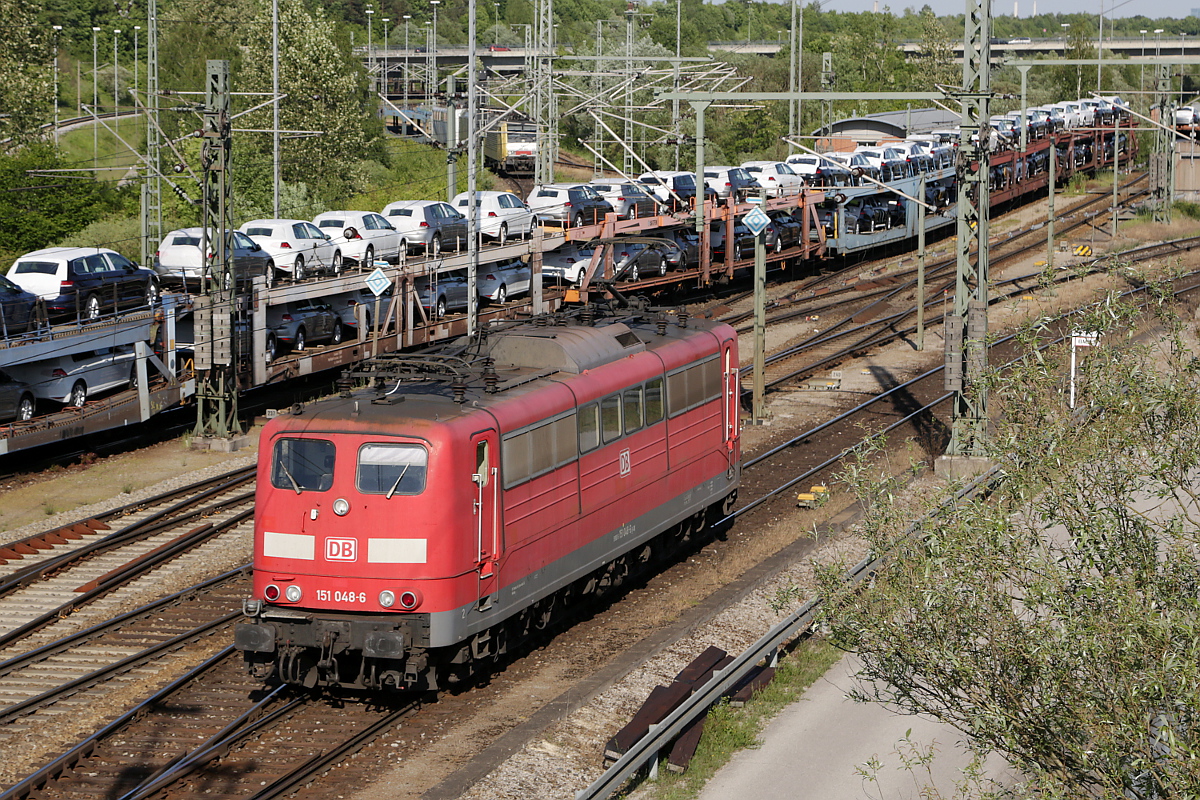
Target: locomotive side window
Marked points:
654	401
303	465
589	427
390	469
633	408
693	386
610	417
538	450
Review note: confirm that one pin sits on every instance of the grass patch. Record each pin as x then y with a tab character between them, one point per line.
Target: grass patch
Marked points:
728	730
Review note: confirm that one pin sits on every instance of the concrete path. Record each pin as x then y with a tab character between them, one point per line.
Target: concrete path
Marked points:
816	747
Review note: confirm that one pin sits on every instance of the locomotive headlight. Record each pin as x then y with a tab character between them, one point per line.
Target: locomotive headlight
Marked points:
387	598
293	593
341	506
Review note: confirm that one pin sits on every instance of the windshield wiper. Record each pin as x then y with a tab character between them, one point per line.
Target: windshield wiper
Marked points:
396	485
283	467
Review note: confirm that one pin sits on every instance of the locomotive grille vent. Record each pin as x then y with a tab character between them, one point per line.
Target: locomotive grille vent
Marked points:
628	339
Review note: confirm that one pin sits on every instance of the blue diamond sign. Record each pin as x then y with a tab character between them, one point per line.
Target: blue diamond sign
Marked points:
377	282
757	221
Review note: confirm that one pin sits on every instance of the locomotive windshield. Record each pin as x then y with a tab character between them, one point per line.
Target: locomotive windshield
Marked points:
390	469
303	465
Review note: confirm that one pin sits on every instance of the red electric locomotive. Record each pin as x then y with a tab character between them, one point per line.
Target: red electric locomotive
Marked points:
408	531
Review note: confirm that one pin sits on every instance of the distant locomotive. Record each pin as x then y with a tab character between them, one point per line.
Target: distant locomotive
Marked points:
410	531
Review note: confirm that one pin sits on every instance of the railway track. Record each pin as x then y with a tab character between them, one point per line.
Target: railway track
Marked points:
905	405
53	575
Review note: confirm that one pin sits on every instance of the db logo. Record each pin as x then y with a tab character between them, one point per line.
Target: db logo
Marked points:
625	463
341	550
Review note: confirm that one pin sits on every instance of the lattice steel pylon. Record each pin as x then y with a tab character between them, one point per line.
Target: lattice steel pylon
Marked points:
545	110
1162	157
966	329
218	336
152	186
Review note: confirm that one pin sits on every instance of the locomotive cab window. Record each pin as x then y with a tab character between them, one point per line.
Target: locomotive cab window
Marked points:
390	469
303	465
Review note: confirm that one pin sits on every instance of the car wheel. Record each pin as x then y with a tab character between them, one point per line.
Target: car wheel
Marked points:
301	340
737	251
25	408
440	312
503	236
152	293
269	274
298	269
662	265
369	257
78	395
502	295
778	244
337	262
270	349
337	333
578	220
91	308
133	383
532	228
403	254
632	275
435	246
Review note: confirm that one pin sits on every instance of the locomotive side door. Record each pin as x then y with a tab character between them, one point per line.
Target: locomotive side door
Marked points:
489	529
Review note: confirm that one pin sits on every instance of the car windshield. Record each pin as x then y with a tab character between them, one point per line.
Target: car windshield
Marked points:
35	267
331	223
303	465
400	212
259	231
186	240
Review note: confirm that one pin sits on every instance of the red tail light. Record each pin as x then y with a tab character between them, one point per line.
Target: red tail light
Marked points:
424	224
285	245
491	213
58	373
352	303
271	593
66	284
287	317
567	204
489	277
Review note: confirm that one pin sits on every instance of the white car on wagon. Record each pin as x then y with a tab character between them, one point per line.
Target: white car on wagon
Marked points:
296	245
363	236
500	215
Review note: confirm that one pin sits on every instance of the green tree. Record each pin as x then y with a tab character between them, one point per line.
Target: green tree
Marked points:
37	210
1056	622
26	56
936	66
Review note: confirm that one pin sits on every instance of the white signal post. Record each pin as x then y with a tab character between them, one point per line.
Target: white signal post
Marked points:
1079	339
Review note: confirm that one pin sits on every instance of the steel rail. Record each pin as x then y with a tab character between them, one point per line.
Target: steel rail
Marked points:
647	749
117	667
128	572
68	760
216	485
67	642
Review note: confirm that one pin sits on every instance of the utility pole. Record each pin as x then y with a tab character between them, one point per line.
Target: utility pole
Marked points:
451	140
152	185
217	352
57	30
921	266
543	92
276	169
472	169
95	102
966	328
116	83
